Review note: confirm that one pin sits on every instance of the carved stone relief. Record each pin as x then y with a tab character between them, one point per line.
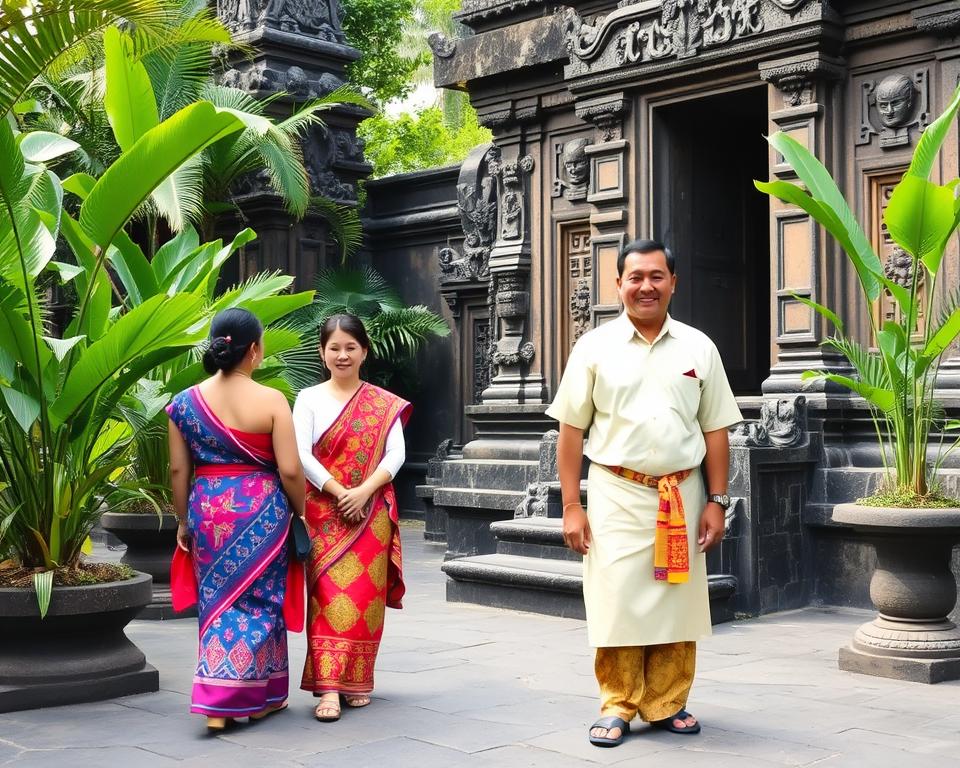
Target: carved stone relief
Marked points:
477	203
348	147
482	358
536	501
605	113
319	19
296	81
796	76
782	423
318	157
572	170
891	107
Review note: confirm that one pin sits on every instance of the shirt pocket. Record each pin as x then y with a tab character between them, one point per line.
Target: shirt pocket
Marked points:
684	391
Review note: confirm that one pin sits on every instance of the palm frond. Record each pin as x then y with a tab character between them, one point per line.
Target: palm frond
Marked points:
361	292
36	34
868	365
345	224
399	333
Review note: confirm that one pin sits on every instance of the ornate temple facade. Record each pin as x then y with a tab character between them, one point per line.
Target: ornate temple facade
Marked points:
647	118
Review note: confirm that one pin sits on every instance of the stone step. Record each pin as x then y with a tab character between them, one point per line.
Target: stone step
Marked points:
538	537
546	586
488	473
479	499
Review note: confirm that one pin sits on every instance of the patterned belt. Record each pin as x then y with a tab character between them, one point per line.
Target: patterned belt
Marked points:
671	556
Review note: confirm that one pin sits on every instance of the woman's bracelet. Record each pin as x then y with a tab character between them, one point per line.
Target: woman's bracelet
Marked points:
571	504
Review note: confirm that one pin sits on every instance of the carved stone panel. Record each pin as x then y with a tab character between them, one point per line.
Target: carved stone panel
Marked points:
477	202
319	19
577	260
891	106
571	170
782	423
640	31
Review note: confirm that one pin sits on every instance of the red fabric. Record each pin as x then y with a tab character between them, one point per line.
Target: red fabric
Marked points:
294	599
183	581
220	470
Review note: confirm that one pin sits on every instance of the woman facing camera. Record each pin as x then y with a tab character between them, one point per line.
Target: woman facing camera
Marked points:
236	480
350	436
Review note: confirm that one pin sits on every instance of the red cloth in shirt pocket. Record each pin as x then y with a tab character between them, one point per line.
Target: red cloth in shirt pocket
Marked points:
691	373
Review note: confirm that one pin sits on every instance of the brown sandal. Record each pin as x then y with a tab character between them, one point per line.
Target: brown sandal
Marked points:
357	700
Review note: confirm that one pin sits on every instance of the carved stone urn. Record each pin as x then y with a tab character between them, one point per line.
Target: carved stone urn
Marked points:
914	591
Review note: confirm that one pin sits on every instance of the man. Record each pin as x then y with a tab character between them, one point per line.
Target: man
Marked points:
654	396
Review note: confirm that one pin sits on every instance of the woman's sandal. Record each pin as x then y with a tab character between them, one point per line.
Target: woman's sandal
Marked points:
327	705
269	711
356	700
217	724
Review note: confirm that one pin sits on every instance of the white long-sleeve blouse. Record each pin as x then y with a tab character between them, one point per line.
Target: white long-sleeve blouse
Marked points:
314	411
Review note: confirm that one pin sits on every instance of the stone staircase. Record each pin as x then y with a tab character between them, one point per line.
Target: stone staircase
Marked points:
531	570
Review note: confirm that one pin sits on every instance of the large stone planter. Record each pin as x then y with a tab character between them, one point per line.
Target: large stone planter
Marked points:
79	652
150	542
913	589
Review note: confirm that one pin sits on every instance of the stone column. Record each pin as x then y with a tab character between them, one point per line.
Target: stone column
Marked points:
608	193
510	279
801	105
299	49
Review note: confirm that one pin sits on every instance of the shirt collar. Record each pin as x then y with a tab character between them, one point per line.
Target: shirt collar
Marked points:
629	331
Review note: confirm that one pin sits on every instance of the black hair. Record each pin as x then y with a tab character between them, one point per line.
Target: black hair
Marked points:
231	334
644	246
350	324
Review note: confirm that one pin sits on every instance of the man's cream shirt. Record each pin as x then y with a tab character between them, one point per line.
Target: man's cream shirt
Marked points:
646	404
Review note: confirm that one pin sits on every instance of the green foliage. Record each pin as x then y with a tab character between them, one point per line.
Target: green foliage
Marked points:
396	331
897	378
62	442
414	142
375	28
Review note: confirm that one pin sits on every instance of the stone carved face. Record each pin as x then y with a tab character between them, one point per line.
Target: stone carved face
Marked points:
895	100
575	161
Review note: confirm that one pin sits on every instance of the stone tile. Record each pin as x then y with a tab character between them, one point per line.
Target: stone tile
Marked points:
397	752
92	758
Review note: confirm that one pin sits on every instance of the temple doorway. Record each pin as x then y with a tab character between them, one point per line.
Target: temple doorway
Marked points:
706	154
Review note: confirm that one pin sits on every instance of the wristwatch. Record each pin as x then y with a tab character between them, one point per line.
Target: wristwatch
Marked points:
720	498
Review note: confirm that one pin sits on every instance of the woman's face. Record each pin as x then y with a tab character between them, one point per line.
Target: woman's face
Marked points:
343	355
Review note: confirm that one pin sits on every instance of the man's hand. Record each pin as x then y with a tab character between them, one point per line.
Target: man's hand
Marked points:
576	528
711	526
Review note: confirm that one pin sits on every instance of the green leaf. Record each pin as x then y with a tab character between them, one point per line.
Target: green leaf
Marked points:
79	184
95	319
61	347
43	146
884	399
128	182
129	100
67	271
920	218
822	310
11	167
831	209
173	254
43	586
157	323
24	408
932	138
944	336
133	269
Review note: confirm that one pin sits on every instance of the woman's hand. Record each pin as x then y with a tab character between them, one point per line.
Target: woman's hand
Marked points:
183	537
352	503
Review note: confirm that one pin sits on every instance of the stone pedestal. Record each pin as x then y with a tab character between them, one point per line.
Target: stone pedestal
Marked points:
913	589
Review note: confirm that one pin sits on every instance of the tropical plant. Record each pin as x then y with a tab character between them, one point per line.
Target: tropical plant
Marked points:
412	142
130	80
62	440
376	29
896	379
396	331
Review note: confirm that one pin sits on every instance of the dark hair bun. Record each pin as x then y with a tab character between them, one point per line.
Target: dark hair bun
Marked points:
231	334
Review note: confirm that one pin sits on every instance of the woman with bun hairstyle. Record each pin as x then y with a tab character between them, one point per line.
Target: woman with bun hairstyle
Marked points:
236	480
350	436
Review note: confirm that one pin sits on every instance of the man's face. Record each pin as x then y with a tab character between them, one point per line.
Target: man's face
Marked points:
646	286
894	104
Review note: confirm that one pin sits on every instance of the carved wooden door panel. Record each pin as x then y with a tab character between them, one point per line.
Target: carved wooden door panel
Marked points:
577	285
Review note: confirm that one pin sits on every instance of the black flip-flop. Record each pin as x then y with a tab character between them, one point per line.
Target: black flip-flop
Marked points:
667	723
609	723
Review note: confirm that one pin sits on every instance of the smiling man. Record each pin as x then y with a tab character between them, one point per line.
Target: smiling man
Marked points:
653	396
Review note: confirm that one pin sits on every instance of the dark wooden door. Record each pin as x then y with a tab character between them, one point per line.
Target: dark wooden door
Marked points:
706	154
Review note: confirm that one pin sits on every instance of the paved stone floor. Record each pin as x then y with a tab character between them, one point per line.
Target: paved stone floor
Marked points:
468	686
